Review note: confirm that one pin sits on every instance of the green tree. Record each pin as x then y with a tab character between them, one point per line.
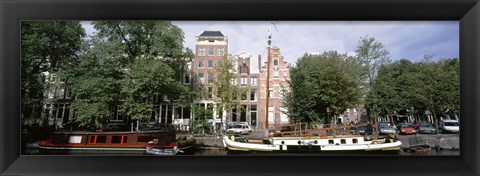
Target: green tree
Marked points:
392	90
425	85
46	47
440	88
137	60
202	115
323	86
225	94
371	55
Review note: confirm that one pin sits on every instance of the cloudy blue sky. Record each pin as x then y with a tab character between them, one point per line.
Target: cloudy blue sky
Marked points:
405	39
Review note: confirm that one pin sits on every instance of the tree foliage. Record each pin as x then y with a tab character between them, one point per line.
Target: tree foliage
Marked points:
225	94
46	46
425	85
128	62
322	86
371	55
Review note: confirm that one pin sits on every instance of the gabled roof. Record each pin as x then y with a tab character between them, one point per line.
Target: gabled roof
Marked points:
211	34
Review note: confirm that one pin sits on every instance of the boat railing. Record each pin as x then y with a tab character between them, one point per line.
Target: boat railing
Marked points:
325	127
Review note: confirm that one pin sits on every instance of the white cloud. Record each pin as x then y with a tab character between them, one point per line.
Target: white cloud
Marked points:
405	39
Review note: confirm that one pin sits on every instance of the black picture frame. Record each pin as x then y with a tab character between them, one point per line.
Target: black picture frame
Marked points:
12	12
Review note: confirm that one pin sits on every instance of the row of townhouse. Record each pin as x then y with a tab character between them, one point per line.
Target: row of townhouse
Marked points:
211	48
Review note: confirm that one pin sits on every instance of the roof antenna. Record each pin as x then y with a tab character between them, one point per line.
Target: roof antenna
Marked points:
275	26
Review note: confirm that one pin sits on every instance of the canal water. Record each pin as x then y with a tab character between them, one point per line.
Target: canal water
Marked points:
218	152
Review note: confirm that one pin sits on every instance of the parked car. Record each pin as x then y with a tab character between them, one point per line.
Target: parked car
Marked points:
427	128
232	124
361	130
449	126
407	129
240	129
386	128
400	124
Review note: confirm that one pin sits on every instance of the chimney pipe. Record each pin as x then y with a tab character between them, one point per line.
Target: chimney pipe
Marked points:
259	63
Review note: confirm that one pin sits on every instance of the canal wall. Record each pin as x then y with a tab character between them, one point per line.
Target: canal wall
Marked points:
444	141
210	142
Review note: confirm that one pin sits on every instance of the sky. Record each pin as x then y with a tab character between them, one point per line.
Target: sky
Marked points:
410	40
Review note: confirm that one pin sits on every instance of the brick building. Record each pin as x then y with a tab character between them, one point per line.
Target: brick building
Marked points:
247	77
278	87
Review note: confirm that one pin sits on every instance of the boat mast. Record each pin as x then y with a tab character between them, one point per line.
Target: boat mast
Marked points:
268	79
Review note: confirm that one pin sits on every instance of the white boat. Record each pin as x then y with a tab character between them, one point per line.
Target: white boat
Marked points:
315	144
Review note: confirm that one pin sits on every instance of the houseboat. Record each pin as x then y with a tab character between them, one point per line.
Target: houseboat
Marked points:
320	143
112	141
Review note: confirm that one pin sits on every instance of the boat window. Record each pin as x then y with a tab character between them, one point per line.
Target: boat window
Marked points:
124	139
355	141
145	138
75	139
330	141
92	139
343	141
101	139
116	139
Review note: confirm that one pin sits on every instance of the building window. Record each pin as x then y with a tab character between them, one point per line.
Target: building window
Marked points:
283	91
221	51
234	114
117	114
270	94
210	77
220	62
233	81
243	113
253	115
201	51
210	63
275	62
243	81
201	64
253	81
211	52
186	78
253	94
243	69
201	78
210	92
275	74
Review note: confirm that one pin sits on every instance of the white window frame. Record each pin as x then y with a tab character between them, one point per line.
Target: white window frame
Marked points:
253	81
201	51
212	53
221	51
201	64
275	74
210	63
243	81
254	91
201	78
185	81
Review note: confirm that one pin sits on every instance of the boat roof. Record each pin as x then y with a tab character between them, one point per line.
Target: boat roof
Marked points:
111	132
315	137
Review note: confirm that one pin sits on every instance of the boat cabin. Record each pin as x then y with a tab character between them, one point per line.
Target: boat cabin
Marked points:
317	141
126	139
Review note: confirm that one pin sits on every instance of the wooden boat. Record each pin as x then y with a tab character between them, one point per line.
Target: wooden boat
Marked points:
181	145
315	144
112	141
418	148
